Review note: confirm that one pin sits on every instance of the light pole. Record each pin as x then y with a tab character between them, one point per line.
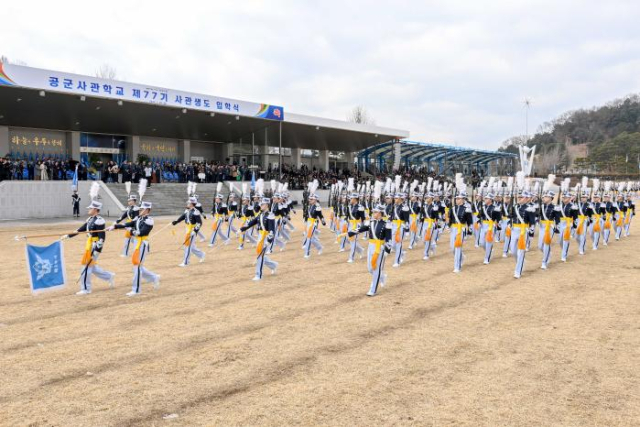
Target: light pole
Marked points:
527	105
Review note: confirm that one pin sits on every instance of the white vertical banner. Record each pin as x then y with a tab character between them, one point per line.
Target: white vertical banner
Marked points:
397	155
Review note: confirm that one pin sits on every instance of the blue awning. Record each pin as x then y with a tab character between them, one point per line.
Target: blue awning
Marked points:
415	153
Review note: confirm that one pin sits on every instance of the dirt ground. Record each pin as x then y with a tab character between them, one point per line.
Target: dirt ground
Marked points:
307	347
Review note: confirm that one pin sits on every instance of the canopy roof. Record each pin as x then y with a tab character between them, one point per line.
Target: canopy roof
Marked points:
22	104
414	152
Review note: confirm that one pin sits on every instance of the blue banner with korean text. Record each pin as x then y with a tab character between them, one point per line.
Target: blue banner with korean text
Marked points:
55	81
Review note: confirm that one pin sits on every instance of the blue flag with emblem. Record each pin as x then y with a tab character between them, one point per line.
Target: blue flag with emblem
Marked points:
253	180
74	183
46	267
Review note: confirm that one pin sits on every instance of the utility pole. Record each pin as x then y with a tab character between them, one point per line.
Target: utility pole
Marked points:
527	105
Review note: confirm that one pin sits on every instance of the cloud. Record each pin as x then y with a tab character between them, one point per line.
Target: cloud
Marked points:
453	72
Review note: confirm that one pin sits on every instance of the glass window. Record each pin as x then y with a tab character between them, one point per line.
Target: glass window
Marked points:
276	150
91	140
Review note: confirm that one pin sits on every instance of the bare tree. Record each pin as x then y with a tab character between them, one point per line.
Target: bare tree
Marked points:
106	71
360	115
546	127
514	141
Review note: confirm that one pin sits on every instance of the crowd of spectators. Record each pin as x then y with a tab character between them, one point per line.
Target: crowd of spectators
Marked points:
155	172
35	170
202	172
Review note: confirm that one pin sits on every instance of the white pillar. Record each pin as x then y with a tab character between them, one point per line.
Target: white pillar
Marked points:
324	160
185	145
134	150
349	158
296	157
227	152
265	154
73	139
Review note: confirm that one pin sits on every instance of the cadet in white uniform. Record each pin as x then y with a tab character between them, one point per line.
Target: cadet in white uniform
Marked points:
95	228
140	229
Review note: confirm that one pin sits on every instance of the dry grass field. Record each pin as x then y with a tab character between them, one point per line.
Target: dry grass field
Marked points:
307	347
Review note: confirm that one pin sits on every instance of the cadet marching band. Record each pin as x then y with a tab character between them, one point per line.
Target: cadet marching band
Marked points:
389	213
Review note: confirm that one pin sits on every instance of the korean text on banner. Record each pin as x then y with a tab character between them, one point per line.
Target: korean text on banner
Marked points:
46	267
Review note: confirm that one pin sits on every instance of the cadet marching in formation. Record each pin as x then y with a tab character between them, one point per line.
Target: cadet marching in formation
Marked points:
94	227
496	212
389	213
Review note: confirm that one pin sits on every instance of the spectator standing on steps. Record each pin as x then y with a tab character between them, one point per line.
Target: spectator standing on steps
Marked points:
147	173
75	201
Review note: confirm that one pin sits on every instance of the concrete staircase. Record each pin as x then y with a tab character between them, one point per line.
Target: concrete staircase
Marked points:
170	199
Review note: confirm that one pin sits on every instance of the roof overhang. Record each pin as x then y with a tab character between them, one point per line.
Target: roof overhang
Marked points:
58	110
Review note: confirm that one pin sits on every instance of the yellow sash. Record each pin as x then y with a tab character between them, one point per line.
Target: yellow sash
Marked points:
263	236
489	236
414	223
596	225
547	231
427	233
376	251
354	225
241	235
311	222
187	236
216	221
135	259
398	223
458	242
607	221
581	219
567	229
87	258
522	242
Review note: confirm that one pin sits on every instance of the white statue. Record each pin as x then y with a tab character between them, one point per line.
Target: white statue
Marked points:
526	162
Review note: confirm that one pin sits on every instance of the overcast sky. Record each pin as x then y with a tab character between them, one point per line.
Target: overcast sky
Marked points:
447	71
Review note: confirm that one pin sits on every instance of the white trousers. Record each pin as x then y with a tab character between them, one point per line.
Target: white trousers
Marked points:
311	239
216	232
397	237
264	261
430	231
375	266
545	248
457	251
127	244
140	272
488	246
190	248
93	270
519	253
565	243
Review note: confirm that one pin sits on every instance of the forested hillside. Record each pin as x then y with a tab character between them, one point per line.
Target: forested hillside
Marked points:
603	139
